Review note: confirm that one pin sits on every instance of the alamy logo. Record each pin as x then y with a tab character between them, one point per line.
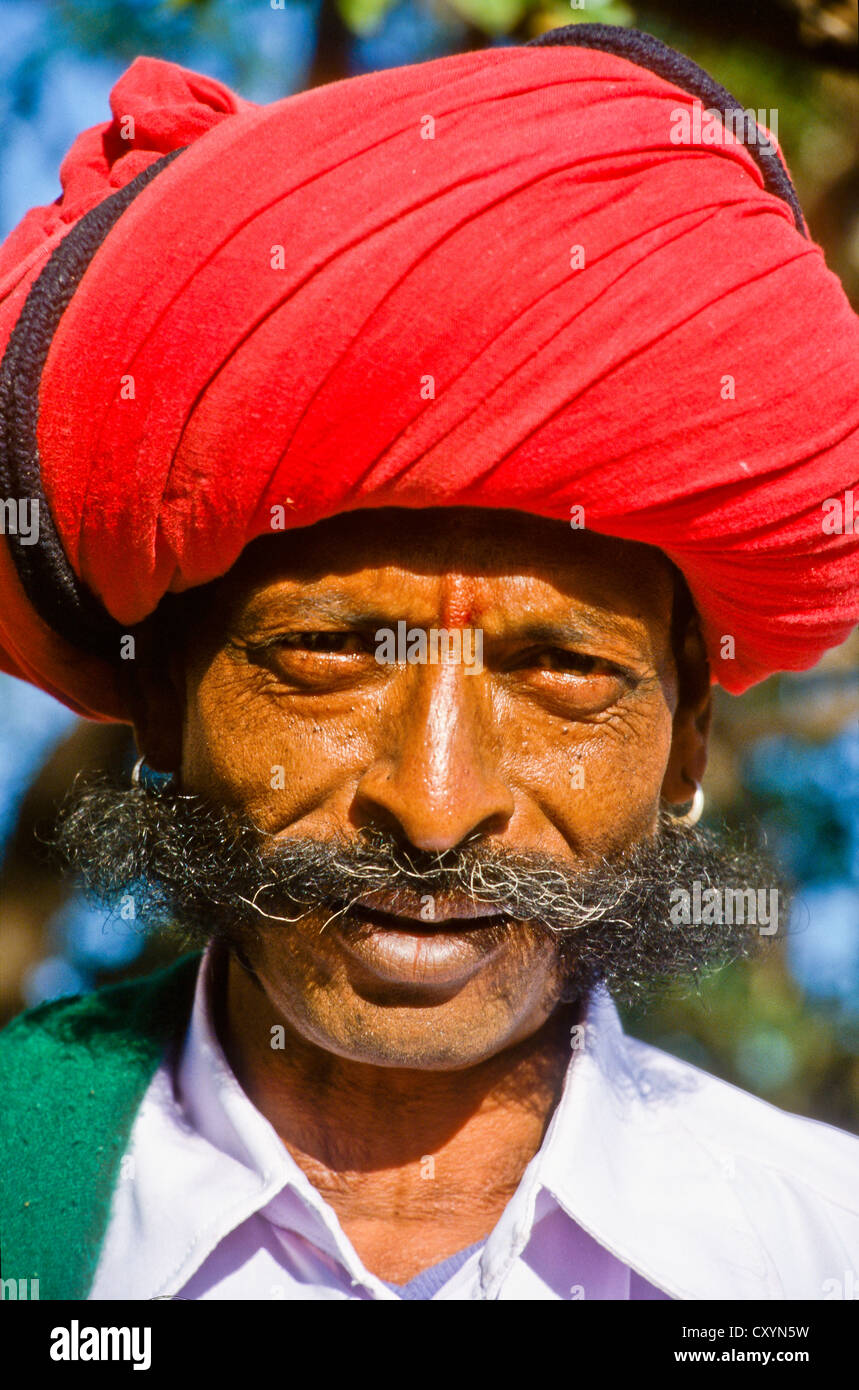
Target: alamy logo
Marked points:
19	1289
436	646
755	907
845	1288
707	126
19	516
76	1343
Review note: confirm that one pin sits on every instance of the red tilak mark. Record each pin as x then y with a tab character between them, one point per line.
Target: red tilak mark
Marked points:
458	603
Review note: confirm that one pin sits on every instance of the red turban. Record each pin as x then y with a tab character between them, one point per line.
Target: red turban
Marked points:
492	280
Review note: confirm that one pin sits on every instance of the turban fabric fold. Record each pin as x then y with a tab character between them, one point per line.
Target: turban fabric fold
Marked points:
493	280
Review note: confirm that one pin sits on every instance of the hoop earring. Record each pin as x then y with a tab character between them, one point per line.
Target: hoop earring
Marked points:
696	810
135	772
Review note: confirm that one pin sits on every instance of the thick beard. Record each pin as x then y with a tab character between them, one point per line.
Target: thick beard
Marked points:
197	872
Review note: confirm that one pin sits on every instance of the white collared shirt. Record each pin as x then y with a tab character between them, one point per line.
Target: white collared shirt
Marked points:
653	1180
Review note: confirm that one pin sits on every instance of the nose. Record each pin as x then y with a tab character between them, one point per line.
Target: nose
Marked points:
440	782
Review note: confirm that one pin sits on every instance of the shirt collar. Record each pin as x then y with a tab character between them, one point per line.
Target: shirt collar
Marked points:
622	1160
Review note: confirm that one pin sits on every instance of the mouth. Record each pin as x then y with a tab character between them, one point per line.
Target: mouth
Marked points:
426	914
406	939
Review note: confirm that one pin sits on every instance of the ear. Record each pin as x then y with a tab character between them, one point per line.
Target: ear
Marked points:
688	757
154	689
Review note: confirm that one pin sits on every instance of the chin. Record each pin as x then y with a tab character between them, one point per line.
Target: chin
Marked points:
441	1037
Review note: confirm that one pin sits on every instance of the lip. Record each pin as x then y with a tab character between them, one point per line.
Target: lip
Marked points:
408	907
404	950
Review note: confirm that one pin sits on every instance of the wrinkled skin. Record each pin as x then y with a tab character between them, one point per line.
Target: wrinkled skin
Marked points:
581	720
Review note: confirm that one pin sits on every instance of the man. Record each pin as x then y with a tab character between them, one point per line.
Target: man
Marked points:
409	456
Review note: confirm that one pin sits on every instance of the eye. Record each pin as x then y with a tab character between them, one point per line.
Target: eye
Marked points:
575	684
572	663
325	643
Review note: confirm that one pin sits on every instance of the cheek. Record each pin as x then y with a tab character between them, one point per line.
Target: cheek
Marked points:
234	741
599	784
256	751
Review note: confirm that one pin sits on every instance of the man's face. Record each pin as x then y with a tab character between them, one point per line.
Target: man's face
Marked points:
559	743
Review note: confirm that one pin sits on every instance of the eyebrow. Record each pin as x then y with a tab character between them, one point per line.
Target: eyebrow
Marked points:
308	607
553	632
337	608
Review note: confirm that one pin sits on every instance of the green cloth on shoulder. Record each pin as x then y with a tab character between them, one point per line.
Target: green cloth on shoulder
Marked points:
73	1074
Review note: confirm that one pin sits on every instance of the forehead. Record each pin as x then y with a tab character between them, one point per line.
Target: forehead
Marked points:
463	564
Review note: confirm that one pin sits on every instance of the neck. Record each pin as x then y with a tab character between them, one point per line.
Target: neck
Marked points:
417	1164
